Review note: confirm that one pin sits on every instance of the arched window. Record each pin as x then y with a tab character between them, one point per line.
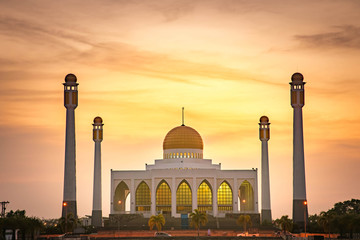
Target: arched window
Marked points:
120	196
183	198
204	197
163	198
246	197
143	198
224	197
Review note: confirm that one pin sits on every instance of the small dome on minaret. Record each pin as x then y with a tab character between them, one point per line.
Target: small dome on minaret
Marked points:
70	78
297	77
98	120
264	119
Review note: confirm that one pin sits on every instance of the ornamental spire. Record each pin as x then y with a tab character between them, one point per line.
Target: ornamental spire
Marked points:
183	117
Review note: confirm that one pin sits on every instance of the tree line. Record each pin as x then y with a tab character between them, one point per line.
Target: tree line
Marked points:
343	219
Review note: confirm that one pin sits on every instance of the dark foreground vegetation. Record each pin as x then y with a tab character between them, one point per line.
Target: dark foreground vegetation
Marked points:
342	219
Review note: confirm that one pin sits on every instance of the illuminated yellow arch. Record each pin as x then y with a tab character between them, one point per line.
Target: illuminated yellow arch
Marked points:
143	198
204	197
183	198
225	197
163	197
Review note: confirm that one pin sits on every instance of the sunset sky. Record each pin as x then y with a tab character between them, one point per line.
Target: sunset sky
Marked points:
228	62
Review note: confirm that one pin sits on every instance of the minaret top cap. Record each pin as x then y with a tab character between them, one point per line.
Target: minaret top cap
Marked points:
297	77
98	120
264	119
70	78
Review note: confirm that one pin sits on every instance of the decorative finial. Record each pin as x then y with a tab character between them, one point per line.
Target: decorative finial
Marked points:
183	117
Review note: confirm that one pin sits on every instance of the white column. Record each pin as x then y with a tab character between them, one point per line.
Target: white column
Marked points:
97	178
265	179
256	200
70	168
96	217
194	194
235	196
298	155
153	197
112	192
132	196
214	196
173	197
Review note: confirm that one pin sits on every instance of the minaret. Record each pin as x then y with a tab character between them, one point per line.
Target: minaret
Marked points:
96	219
70	102
264	135
300	211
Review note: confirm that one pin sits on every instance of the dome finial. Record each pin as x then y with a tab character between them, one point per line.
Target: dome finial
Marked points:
183	117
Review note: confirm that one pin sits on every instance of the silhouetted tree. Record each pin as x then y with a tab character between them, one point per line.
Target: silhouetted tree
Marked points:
344	217
28	226
68	224
285	223
156	220
324	221
244	221
198	218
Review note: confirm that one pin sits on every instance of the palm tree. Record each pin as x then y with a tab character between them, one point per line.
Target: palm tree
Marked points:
285	223
324	221
156	220
198	218
244	220
68	224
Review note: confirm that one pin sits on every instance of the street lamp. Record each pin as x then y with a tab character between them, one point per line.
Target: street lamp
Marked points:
305	203
65	206
120	206
118	219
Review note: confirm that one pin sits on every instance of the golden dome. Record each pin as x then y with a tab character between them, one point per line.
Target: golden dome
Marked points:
70	78
98	120
264	119
183	137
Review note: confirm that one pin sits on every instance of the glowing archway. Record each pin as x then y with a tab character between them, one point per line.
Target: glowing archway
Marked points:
225	197
163	197
204	197
120	196
184	198
143	198
246	197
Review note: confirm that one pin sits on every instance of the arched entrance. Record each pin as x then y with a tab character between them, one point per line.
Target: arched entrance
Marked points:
246	197
142	198
204	197
163	198
183	198
224	198
120	197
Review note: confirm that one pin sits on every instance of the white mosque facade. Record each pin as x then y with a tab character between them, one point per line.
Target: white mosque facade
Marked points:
183	181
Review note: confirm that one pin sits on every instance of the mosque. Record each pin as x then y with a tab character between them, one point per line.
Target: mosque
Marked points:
183	180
